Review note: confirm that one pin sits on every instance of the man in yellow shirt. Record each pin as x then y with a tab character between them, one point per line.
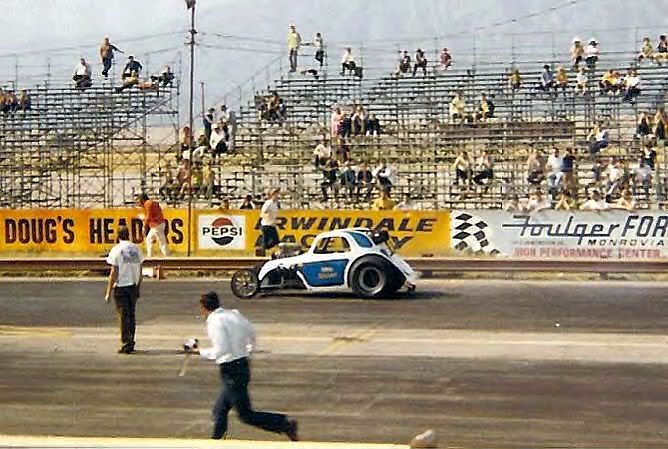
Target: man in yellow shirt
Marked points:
383	202
294	42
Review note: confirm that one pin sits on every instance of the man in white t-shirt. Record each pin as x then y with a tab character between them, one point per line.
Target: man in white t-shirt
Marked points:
322	153
595	202
553	166
125	279
268	217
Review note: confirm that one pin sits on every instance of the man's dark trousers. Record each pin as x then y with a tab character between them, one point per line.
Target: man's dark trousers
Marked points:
236	376
126	302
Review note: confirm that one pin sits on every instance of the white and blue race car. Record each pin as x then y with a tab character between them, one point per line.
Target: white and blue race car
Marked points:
354	259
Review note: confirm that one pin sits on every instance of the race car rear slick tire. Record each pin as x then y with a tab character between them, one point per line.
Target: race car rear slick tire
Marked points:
245	284
372	277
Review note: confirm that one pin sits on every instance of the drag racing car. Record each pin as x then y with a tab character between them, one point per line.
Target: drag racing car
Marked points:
354	259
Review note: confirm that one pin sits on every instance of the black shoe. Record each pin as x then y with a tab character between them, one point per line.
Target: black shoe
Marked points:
292	430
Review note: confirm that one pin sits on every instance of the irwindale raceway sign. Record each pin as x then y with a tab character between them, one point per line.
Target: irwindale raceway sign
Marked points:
561	234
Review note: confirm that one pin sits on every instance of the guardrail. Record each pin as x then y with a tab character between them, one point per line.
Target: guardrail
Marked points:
426	265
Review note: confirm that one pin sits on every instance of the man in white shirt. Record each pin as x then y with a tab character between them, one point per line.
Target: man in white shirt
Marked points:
595	202
348	62
538	202
554	164
268	216
125	279
82	75
322	153
591	54
232	340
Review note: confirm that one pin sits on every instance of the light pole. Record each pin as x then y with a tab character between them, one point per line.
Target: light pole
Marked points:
190	4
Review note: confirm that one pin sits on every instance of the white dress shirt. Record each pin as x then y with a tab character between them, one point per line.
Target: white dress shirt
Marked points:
269	213
127	258
232	336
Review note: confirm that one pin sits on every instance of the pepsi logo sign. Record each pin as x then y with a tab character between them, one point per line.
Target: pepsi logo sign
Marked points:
222	232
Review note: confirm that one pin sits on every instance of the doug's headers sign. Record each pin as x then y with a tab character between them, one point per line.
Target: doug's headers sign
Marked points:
79	231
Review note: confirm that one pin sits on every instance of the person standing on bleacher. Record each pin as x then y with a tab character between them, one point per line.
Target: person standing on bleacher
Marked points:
107	50
294	42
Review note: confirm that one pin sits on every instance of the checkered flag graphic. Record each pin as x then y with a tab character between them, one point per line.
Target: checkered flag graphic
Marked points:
469	232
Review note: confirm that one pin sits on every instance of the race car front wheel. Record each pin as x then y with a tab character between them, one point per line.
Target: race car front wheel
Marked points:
245	284
371	278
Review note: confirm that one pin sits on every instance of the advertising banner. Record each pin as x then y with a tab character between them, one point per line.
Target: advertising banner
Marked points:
89	231
561	234
238	232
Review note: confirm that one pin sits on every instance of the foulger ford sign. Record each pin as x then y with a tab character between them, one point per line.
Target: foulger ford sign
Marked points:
560	234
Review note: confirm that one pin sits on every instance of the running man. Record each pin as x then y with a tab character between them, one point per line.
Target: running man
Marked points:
154	225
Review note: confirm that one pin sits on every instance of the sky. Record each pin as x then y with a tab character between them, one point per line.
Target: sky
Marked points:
240	38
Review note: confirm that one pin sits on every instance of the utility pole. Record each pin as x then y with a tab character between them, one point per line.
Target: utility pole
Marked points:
190	4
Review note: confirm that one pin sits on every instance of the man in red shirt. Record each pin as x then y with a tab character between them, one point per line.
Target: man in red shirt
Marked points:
155	223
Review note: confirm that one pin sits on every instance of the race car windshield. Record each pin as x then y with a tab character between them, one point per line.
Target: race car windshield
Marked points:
331	245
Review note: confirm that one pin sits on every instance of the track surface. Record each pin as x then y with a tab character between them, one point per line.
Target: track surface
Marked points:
485	363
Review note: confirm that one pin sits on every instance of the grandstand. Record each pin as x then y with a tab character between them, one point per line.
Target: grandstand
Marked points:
90	148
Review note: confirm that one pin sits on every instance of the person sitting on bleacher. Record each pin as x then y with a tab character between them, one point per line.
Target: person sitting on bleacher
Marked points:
25	103
644	127
562	78
538	201
11	102
420	62
330	172
346	126
598	138
247	203
577	52
591	54
404	63
217	142
535	167
565	201
610	82
364	181
130	75
322	153
631	86
515	79
462	166
348	62
384	201
554	168
383	175
547	81
642	177
457	108
343	150
360	121
662	45
446	59
485	109
166	77
373	126
660	123
348	178
485	168
595	202
646	50
82	75
336	118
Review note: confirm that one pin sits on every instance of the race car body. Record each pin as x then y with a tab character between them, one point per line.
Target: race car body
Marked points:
353	259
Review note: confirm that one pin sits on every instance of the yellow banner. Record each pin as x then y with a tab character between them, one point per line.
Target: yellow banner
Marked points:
238	233
90	231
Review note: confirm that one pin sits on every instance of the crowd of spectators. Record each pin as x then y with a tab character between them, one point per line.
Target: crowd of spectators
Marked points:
11	103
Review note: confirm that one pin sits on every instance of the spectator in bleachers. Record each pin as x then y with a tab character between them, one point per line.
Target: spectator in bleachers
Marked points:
130	75
457	108
591	54
595	202
337	117
554	174
360	121
642	177
565	201
420	62
649	155
598	138
562	78
330	172
10	102
107	50
407	203
247	203
229	121
547	79
25	102
201	148
581	81
208	121
485	166
383	176
373	126
169	186
206	183
515	79
348	63
644	127
577	52
662	45
660	123
183	178
568	171
538	201
610	82
217	141
294	42
535	167
615	175
485	108
186	139
346	126
384	201
514	205
631	86
625	201
348	180
343	150
365	181
646	50
82	75
322	153
165	78
319	44
446	59
404	63
463	166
